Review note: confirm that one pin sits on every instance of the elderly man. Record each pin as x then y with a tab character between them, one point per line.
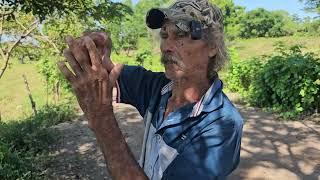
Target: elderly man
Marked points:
192	130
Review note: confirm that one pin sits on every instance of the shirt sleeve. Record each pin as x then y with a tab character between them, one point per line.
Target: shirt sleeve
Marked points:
136	86
213	155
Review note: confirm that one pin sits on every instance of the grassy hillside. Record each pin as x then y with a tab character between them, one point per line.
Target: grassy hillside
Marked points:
260	46
14	100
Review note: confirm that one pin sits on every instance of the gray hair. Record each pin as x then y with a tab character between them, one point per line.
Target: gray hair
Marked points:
214	37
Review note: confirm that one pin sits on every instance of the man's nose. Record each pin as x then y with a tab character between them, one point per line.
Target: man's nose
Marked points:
167	45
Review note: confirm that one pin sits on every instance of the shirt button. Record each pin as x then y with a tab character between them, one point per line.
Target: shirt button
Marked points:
158	138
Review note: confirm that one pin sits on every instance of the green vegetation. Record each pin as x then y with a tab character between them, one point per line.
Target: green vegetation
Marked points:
312	5
248	48
24	144
286	82
14	101
15	105
262	23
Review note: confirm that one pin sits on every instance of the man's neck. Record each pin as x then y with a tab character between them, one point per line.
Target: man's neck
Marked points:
187	91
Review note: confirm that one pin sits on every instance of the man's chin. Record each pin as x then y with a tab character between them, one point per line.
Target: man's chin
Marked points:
173	73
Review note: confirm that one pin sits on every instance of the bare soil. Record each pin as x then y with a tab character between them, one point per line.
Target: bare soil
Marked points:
271	149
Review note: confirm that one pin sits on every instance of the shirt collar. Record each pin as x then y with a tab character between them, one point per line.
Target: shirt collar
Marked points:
167	88
210	101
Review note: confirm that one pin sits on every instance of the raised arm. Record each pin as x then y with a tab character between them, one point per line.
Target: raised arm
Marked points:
92	85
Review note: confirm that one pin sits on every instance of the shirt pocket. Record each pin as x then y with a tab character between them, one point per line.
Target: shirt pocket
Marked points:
166	155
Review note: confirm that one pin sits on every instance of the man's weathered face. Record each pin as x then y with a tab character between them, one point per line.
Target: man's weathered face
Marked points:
183	57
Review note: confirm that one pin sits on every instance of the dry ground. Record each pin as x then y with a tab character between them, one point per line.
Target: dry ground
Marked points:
271	149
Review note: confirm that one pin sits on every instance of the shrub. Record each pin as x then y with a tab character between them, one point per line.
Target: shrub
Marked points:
241	73
47	67
288	83
24	144
143	56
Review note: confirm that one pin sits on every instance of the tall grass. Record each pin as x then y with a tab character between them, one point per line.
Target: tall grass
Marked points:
24	143
248	48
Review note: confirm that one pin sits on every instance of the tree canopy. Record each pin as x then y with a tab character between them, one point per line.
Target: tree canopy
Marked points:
312	5
43	8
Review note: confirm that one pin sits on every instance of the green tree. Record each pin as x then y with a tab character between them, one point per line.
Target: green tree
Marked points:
310	27
127	31
312	5
21	25
263	23
290	23
56	28
41	9
256	23
233	14
16	27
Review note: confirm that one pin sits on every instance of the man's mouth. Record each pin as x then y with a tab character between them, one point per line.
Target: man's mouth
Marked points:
167	58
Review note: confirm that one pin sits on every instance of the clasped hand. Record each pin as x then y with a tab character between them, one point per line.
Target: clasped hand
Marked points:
93	75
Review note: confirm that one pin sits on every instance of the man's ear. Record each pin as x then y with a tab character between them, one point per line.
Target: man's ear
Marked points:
212	52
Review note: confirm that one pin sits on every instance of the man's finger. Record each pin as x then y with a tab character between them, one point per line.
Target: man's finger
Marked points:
66	72
101	40
93	52
106	93
69	40
108	46
73	62
107	63
115	73
103	43
79	51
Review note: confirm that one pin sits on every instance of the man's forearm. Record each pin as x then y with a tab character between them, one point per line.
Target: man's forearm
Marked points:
119	159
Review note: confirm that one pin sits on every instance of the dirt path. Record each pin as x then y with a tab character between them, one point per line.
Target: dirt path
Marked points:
271	149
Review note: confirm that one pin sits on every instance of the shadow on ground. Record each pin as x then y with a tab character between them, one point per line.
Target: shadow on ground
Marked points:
271	149
77	156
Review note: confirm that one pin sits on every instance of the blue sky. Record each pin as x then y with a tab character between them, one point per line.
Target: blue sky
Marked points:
292	6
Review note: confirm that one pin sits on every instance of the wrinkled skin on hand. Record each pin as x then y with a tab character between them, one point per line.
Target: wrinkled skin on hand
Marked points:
104	45
94	76
92	81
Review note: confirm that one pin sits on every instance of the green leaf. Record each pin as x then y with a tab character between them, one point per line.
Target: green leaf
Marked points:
317	82
302	93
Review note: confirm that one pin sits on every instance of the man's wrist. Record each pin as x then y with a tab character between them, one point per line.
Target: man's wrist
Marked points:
107	123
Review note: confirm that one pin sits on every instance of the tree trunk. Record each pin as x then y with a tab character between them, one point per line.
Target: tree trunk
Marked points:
57	92
6	56
33	104
47	91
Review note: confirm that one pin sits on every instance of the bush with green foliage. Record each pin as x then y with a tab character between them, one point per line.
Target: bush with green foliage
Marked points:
263	23
241	73
287	82
142	56
14	165
47	67
24	144
309	27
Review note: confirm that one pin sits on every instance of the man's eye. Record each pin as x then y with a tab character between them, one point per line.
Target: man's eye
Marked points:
163	35
182	34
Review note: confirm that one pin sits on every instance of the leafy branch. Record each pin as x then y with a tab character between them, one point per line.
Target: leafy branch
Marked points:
6	55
